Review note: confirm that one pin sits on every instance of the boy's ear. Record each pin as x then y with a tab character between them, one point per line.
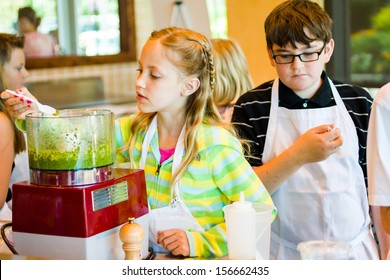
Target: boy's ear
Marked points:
329	50
272	61
190	86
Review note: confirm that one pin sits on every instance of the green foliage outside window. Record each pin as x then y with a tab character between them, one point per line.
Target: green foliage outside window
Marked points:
370	48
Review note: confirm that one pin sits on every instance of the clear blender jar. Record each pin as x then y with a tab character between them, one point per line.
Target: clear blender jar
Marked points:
73	148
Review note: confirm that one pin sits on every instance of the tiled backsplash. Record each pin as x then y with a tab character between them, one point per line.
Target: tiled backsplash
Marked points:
118	78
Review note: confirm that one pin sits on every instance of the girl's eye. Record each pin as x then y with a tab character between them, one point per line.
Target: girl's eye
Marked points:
153	76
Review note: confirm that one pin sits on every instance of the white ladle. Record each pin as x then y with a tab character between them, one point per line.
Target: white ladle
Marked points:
43	108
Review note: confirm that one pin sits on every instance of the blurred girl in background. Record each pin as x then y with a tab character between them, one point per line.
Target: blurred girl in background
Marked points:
36	44
232	76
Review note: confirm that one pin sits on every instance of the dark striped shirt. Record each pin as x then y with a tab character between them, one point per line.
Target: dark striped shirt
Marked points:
251	112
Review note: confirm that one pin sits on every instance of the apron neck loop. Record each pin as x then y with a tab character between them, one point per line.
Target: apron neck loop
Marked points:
177	155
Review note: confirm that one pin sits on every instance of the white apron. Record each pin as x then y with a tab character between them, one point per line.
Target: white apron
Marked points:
322	200
176	214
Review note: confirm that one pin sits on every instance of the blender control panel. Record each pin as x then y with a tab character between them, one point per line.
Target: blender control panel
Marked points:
109	196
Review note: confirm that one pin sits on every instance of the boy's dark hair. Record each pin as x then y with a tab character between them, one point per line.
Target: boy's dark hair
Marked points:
297	21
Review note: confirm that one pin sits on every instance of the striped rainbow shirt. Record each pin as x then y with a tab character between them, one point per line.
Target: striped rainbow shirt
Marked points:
214	179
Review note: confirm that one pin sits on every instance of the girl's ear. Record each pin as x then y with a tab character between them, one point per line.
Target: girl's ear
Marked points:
190	86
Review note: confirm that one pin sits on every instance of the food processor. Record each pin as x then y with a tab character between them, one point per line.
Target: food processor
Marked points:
76	200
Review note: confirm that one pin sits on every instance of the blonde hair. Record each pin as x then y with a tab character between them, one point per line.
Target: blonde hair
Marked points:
191	53
232	72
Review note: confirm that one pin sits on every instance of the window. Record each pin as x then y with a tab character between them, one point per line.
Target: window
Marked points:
45	9
218	18
84	27
95	21
362	41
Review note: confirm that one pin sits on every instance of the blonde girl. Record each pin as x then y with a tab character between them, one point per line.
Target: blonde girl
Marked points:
193	161
232	77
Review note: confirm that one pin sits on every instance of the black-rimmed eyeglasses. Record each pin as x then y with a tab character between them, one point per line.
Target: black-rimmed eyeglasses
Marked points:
304	57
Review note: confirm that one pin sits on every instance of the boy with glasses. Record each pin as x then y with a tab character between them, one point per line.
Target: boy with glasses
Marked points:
308	136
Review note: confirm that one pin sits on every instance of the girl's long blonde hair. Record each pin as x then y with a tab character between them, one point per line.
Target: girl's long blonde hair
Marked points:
232	72
191	53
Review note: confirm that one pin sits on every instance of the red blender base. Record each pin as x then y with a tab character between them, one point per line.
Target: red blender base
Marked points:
82	212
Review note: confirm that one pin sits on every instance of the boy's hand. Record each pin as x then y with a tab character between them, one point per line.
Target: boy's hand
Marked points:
318	143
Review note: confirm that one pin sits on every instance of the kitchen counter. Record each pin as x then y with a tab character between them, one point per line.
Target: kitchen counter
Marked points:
4	256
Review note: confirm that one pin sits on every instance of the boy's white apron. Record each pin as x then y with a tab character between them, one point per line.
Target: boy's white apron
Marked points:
322	200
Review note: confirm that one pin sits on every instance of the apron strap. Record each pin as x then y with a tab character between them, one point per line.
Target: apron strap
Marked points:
177	155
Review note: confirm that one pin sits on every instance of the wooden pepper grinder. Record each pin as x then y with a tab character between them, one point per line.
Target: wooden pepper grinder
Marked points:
132	234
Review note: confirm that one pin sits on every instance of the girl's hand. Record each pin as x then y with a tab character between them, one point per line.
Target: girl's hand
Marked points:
18	107
174	240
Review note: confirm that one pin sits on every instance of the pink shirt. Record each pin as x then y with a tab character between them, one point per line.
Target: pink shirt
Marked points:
166	154
38	45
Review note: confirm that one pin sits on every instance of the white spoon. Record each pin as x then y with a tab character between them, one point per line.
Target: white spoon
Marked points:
43	108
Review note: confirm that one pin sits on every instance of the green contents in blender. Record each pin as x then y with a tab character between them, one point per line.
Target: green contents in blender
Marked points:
46	159
70	143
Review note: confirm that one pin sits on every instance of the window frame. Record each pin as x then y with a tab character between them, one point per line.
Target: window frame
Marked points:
127	45
339	67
